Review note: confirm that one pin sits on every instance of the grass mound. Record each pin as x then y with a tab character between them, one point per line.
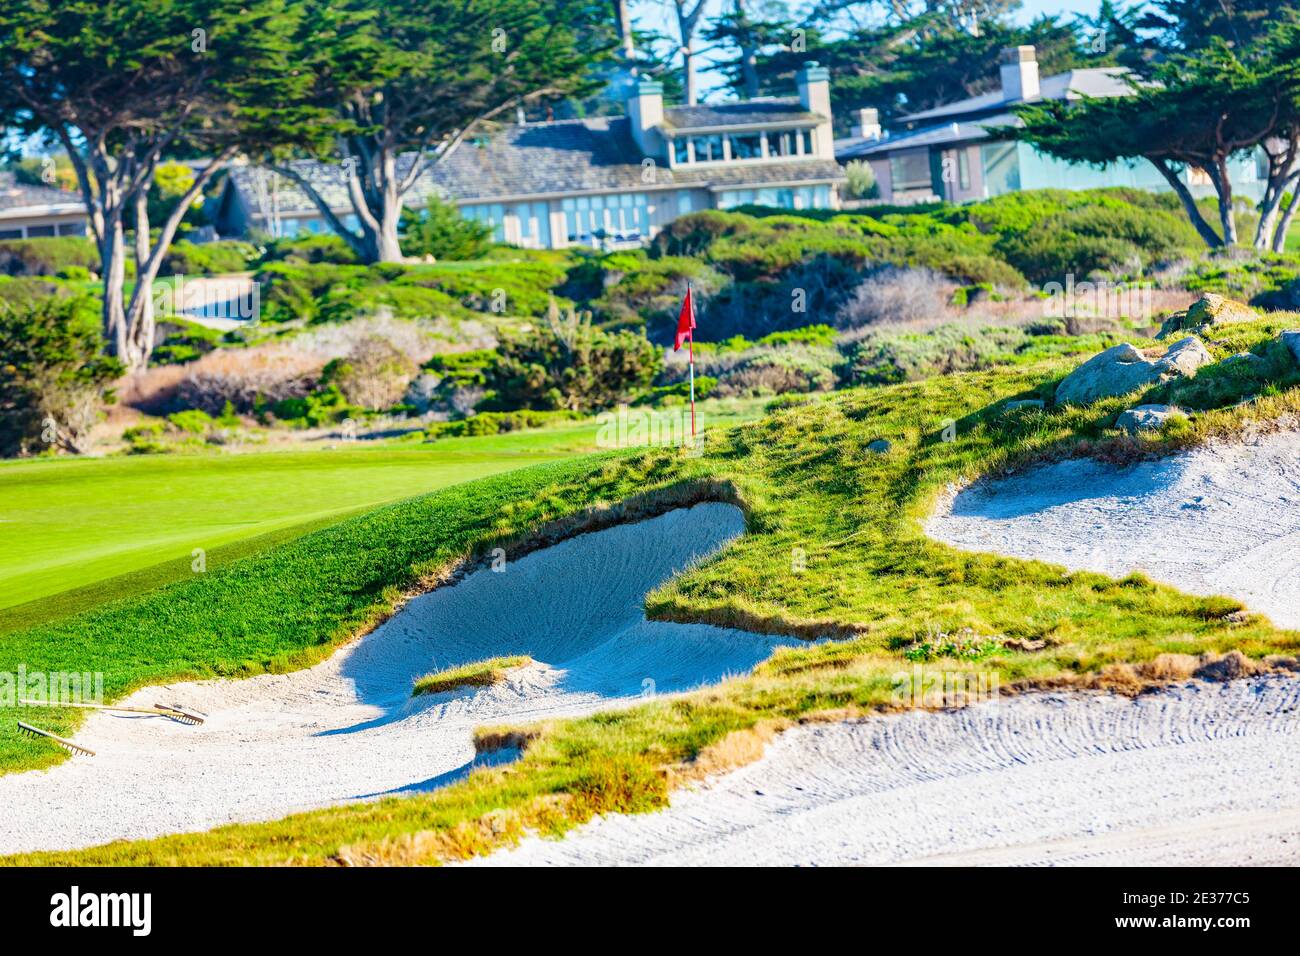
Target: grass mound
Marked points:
477	674
835	547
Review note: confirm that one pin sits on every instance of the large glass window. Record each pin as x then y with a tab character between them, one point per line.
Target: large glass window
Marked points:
746	145
784	143
909	171
680	155
708	149
1001	165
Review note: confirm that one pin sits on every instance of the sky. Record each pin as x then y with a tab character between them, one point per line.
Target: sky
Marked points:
657	15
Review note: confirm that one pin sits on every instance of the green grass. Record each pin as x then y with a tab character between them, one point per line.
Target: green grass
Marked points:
869	578
68	523
475	674
75	533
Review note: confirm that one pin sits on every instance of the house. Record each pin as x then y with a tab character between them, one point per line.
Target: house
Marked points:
28	211
947	152
607	181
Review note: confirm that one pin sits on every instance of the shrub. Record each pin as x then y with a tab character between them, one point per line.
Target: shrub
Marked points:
46	256
861	180
494	423
886	356
896	295
374	375
574	367
311	248
208	258
440	231
53	377
247	379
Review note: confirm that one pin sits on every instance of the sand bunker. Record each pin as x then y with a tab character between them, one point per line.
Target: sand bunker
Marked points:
1217	520
1199	774
348	728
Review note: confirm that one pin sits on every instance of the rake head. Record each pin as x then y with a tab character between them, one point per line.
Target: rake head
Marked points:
68	745
184	714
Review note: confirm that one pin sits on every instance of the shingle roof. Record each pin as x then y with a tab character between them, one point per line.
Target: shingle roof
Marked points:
763	110
17	195
541	159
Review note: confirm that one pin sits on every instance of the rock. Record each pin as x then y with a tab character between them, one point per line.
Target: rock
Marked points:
1121	369
1210	309
422	391
1025	403
1291	339
1248	358
879	446
1145	418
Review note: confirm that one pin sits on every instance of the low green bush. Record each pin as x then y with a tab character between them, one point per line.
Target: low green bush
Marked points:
47	256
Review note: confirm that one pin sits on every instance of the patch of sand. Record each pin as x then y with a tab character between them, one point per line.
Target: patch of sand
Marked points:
348	728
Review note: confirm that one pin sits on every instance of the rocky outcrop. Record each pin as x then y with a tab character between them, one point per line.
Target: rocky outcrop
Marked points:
1146	418
1291	339
1123	368
1209	310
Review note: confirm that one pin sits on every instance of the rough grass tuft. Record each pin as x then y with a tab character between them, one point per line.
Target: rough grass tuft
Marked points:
483	673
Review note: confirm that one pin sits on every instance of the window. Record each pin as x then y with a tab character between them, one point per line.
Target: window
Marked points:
963	168
684	203
680	154
746	145
11	233
783	143
708	149
1001	168
34	231
806	142
72	229
908	171
624	217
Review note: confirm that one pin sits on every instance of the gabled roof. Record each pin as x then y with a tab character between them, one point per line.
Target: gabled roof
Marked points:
759	111
17	197
969	119
542	160
1071	85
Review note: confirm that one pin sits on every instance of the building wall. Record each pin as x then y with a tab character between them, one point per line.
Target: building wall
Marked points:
32	227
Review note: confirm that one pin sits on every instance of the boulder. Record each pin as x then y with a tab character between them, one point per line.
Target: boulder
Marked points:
1291	339
422	391
1210	309
1121	369
1024	403
1145	418
879	446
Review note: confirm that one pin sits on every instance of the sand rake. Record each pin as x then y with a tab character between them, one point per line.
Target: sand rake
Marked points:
68	745
182	714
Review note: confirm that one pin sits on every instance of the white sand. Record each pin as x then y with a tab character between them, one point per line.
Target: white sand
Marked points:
1204	773
1197	774
348	729
1217	520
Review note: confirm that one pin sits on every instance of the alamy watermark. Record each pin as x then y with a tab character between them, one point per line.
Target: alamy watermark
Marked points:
31	688
1099	299
627	427
933	687
210	298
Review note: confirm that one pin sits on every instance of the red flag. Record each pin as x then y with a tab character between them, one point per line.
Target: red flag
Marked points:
685	321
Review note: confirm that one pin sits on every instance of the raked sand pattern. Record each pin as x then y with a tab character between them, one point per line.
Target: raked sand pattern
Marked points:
348	729
1200	773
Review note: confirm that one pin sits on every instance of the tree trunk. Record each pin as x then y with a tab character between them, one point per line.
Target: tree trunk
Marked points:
623	21
112	265
1184	195
1284	224
1223	186
1281	160
748	51
387	245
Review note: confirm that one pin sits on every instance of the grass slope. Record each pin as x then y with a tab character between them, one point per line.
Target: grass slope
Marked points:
68	523
834	547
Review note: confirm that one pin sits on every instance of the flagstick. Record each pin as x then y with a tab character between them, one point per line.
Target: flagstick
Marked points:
690	338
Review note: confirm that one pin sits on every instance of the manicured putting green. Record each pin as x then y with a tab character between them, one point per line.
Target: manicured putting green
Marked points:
69	523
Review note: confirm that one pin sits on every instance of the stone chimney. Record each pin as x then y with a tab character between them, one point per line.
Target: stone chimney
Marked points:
869	123
1019	73
814	82
645	110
